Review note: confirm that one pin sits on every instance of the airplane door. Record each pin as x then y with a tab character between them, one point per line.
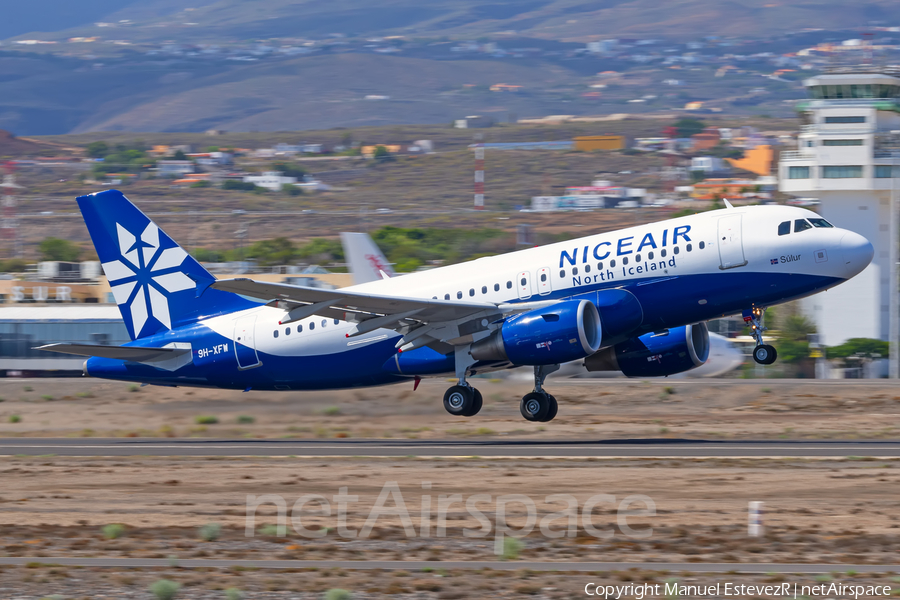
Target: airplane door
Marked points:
244	346
543	281
524	283
731	248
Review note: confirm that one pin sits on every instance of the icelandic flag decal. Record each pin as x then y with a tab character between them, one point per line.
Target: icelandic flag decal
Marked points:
774	261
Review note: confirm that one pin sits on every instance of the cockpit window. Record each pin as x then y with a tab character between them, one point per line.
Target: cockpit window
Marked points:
784	228
820	223
801	225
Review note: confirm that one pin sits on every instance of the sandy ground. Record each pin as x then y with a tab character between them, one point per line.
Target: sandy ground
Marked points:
589	409
839	511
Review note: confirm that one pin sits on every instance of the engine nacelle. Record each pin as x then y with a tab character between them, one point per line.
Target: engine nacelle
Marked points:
652	355
565	331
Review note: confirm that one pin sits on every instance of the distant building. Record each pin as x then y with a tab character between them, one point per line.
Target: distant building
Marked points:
474	122
706	139
712	189
505	87
589	143
708	164
370	150
174	168
271	180
758	160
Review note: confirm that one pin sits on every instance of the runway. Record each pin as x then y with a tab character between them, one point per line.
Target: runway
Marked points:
418	565
626	448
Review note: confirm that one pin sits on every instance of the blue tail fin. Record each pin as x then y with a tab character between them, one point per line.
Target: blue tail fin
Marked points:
156	284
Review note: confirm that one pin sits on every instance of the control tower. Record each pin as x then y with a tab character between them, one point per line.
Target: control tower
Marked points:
848	157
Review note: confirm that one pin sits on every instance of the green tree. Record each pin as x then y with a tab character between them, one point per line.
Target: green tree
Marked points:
866	347
97	149
279	251
687	127
381	153
53	248
793	344
289	169
179	155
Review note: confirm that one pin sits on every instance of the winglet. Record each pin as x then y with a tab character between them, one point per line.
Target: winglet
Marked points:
727	203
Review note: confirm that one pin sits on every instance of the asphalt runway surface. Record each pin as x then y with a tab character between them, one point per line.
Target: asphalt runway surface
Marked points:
625	448
414	565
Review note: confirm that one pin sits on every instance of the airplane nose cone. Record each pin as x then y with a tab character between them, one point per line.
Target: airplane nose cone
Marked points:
857	252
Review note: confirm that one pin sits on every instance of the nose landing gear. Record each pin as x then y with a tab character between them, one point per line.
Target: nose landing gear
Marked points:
763	354
539	405
462	400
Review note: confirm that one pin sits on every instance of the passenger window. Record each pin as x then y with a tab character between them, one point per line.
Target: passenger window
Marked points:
324	322
523	282
702	246
801	225
820	223
587	268
275	333
509	285
688	248
471	291
637	258
496	287
336	321
650	255
287	331
600	266
624	260
484	289
299	328
562	273
784	228
612	264
543	277
312	325
675	250
574	272
459	295
446	296
662	252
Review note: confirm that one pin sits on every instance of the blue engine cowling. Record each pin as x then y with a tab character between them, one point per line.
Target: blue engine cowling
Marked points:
565	331
655	355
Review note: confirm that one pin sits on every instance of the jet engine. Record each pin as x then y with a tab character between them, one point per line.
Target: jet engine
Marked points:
655	354
567	330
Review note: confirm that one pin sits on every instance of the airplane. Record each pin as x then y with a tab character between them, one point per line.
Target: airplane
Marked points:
633	300
368	263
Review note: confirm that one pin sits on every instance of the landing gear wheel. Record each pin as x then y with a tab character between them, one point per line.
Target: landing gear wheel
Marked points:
765	354
477	403
535	406
554	408
458	400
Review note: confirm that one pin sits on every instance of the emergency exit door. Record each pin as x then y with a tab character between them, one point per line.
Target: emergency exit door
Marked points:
731	247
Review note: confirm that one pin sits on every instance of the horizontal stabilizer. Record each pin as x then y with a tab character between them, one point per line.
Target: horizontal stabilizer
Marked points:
130	353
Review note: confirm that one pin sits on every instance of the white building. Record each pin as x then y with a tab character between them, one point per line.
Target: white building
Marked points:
847	157
174	168
272	180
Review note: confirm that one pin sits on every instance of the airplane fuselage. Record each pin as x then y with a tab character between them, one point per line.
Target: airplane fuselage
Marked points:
681	271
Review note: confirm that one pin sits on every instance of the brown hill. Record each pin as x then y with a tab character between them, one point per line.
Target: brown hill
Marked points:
12	147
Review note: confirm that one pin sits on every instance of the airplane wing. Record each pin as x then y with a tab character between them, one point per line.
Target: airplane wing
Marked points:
422	322
130	353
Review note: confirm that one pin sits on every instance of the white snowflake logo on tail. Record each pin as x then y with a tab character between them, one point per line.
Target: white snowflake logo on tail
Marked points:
144	276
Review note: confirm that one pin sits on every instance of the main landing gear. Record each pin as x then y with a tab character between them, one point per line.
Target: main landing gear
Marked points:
463	401
540	405
763	354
